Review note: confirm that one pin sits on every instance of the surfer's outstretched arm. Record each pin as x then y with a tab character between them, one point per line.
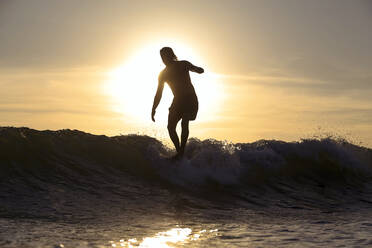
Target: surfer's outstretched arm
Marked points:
157	98
194	68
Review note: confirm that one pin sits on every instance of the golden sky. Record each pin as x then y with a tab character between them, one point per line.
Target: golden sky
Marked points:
274	69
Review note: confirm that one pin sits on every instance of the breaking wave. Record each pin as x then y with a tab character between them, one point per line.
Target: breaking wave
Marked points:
38	163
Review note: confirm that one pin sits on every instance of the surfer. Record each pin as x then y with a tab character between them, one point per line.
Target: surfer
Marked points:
185	102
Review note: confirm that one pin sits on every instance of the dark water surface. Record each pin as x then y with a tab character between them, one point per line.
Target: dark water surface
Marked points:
73	189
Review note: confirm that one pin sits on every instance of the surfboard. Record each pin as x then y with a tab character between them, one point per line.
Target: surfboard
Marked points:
173	157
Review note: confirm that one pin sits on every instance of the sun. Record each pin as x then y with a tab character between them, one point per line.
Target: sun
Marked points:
133	84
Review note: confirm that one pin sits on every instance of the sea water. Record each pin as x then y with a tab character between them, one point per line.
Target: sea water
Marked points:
72	189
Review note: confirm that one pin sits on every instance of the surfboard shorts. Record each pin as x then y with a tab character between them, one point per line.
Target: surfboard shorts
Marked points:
184	107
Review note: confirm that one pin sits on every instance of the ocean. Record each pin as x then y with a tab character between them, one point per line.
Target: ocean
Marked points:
68	188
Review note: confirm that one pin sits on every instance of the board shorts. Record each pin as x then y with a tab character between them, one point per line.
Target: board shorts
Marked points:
184	107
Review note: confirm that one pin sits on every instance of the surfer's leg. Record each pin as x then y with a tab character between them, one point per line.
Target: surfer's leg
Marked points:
173	119
184	134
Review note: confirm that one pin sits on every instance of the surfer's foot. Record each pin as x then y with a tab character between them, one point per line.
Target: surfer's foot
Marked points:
178	156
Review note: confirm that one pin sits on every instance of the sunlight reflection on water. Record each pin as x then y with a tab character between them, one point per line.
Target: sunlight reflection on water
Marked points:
171	238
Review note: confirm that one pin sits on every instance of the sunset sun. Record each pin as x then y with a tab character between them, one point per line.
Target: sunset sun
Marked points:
133	84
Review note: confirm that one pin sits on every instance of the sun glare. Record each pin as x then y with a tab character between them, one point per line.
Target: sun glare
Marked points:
174	237
132	85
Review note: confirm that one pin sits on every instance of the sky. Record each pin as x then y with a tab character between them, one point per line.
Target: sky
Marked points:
284	70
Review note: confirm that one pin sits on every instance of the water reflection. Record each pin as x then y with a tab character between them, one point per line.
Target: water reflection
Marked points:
172	238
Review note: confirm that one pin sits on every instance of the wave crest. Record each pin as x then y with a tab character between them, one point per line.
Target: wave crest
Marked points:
73	155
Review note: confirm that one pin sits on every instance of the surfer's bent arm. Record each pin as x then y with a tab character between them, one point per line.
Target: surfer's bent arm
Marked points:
157	98
194	68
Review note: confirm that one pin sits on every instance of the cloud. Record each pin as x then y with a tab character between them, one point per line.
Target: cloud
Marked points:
313	81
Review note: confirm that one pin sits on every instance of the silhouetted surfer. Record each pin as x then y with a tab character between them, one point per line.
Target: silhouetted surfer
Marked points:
185	102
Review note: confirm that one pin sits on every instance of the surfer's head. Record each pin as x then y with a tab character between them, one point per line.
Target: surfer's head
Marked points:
167	55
